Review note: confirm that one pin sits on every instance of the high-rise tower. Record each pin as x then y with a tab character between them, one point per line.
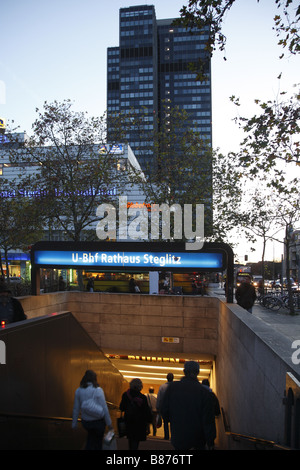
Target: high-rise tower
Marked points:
151	69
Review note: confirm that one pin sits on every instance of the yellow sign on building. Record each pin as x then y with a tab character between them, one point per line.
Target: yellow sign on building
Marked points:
166	339
2	123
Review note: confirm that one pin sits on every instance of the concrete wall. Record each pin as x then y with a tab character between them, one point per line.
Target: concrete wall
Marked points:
127	321
40	305
251	366
45	361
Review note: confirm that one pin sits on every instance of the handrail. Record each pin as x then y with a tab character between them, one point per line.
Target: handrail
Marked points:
251	439
234	435
110	405
20	415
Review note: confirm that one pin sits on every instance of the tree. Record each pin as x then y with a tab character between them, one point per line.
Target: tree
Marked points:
269	213
70	169
288	215
75	170
271	146
258	219
181	163
228	186
187	171
272	141
21	223
211	13
272	136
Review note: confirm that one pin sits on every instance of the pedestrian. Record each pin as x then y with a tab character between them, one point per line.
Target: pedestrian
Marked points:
166	284
132	285
152	399
189	408
245	294
94	418
215	401
217	410
90	285
137	414
11	309
194	287
61	283
260	287
160	396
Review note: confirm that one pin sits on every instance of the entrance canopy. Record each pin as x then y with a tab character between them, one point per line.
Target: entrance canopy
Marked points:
130	256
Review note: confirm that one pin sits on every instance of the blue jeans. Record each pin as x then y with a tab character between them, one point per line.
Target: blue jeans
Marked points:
95	432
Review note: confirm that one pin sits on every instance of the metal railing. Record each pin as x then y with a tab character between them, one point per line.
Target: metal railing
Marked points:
43	432
252	440
111	406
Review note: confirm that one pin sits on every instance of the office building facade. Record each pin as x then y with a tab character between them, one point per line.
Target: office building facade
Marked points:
150	72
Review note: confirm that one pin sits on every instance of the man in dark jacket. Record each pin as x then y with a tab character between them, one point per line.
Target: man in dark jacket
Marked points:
11	309
189	408
245	294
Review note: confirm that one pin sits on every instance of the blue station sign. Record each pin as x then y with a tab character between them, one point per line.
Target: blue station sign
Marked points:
129	259
132	256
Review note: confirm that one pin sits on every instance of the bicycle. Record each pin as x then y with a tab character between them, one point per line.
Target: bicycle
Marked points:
274	302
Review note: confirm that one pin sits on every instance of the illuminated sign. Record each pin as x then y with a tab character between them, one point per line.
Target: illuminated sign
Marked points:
139	205
56	192
4	139
2	123
131	256
121	259
168	339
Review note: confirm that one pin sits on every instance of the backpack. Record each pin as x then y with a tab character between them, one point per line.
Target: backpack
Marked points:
92	408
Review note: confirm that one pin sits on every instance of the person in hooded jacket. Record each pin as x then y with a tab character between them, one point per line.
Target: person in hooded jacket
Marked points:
11	309
245	294
137	414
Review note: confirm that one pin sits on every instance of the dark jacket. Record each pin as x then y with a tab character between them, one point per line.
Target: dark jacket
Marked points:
12	311
18	309
189	408
137	414
245	295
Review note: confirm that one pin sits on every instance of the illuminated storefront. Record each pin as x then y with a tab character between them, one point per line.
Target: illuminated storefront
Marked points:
119	260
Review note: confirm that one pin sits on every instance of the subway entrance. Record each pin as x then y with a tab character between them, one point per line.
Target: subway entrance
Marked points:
152	368
154	258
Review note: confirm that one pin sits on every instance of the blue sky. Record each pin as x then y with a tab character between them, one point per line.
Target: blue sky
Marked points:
56	50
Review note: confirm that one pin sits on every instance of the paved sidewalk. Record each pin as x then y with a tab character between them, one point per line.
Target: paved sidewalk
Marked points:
281	321
286	324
